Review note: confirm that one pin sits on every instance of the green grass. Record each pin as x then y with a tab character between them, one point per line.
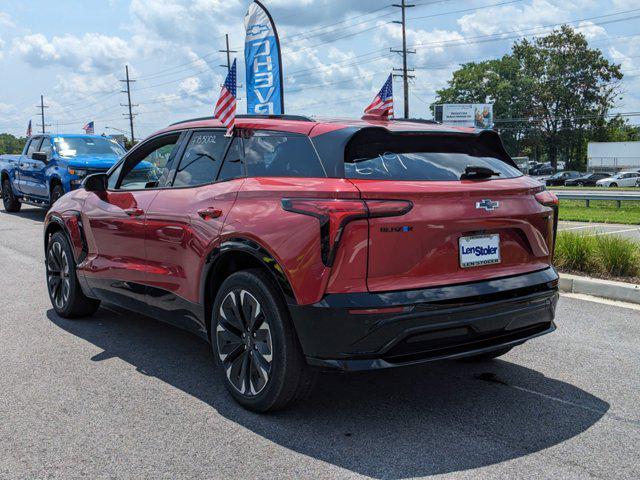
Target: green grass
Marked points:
606	255
600	211
598	189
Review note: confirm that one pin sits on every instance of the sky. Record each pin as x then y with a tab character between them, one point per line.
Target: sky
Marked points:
335	53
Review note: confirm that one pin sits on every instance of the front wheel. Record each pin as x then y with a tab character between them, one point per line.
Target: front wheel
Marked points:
56	192
67	297
9	200
254	345
613	185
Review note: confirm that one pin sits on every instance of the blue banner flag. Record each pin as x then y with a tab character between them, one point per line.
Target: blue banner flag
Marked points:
265	95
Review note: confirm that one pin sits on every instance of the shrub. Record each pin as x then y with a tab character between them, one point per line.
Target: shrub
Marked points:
618	256
575	252
593	254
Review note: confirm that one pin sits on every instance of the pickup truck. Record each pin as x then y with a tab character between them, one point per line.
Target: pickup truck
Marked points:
52	165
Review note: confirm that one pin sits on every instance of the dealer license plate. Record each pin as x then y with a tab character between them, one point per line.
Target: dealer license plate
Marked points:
479	250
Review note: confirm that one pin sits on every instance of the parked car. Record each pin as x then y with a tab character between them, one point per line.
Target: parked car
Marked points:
558	179
299	244
541	169
52	165
622	179
587	180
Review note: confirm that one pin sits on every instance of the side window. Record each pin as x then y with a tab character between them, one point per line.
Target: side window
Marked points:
114	176
33	146
274	154
232	166
148	167
201	160
46	147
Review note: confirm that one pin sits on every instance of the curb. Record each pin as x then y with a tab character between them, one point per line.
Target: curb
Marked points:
619	291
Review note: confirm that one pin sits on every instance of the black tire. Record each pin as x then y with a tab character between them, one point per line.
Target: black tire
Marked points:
579	184
614	185
65	293
255	347
9	200
56	192
485	357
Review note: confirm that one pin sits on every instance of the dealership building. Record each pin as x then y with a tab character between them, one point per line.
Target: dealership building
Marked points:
613	156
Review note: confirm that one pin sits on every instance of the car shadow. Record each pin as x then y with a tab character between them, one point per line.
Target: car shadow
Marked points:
436	418
29	213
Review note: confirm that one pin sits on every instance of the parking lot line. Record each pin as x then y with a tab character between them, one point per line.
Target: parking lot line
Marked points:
604	301
617	231
576	228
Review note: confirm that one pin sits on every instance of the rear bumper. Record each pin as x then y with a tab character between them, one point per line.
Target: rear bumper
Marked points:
344	331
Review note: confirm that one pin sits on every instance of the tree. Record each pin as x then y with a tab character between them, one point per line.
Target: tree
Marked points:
549	94
10	144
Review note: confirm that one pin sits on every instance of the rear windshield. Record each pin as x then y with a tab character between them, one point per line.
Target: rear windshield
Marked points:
384	156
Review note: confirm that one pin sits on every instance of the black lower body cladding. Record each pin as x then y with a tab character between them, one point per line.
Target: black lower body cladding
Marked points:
345	331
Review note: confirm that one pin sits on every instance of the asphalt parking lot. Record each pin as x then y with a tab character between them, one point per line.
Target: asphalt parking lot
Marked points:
123	396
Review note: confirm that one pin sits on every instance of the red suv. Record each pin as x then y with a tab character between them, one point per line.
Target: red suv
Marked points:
298	244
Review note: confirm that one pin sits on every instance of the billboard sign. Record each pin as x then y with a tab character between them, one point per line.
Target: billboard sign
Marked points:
474	115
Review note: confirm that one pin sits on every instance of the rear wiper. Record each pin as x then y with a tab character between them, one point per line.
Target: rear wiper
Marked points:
474	172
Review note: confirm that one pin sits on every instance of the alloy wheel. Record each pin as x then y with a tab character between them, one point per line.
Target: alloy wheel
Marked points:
58	279
244	342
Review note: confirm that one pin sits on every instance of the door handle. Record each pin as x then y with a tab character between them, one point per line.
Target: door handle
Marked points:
134	212
209	213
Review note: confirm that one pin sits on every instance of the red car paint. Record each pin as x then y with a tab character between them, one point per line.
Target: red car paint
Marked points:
161	237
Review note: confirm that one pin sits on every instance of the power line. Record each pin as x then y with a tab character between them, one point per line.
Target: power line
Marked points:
492	37
128	82
464	10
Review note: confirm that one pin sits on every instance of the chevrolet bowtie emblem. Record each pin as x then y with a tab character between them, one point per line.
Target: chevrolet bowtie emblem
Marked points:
488	205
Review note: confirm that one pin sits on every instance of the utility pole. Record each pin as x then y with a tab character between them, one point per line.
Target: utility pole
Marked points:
405	75
42	106
130	115
229	52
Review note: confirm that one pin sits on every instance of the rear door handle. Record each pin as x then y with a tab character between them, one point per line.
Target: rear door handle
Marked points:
134	212
209	213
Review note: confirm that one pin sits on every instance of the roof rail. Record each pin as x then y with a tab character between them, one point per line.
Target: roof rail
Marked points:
417	120
300	118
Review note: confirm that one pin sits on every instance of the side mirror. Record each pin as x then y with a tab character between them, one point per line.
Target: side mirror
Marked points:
39	156
96	183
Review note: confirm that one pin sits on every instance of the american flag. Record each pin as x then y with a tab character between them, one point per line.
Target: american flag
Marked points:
89	129
226	107
382	105
29	129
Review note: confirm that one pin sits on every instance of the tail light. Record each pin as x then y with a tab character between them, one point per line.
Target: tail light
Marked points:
549	199
335	214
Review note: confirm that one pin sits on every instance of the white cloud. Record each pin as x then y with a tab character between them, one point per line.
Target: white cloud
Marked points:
86	84
509	18
92	52
184	21
6	109
5	20
590	30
